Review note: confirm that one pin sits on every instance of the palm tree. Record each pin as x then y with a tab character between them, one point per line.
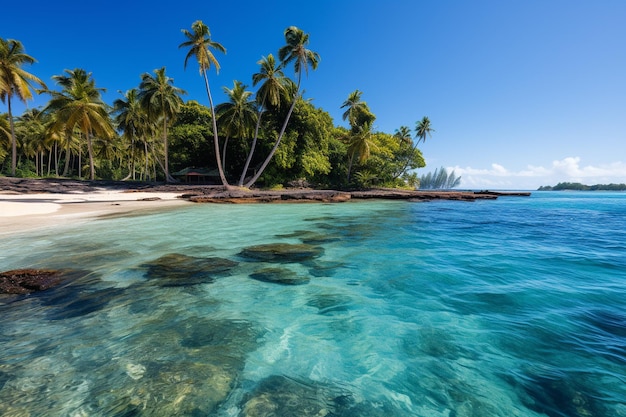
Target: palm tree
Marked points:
80	104
200	44
403	134
238	114
132	119
294	51
353	106
32	131
15	81
423	129
270	93
161	100
359	142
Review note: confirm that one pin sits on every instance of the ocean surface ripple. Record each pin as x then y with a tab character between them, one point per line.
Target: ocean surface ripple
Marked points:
513	307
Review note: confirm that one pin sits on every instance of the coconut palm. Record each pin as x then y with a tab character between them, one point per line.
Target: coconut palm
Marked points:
294	51
161	100
238	114
80	105
132	119
403	134
31	129
423	129
353	105
359	142
270	93
15	81
200	44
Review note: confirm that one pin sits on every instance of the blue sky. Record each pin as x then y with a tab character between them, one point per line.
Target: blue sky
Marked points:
520	93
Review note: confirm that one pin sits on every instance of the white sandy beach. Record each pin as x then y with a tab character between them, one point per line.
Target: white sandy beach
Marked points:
25	212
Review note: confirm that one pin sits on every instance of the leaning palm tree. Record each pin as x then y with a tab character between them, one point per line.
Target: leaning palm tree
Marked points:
423	129
15	81
200	44
294	51
80	104
238	114
161	100
270	93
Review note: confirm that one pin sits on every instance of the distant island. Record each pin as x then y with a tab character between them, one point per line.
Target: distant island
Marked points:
576	186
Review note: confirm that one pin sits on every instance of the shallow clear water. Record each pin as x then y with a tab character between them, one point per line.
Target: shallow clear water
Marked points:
514	307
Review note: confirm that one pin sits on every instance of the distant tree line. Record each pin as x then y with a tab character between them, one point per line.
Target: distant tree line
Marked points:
576	186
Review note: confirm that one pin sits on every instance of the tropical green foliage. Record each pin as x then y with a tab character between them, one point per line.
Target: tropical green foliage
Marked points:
269	134
192	144
439	180
79	106
137	128
161	101
5	135
294	51
237	117
15	82
200	45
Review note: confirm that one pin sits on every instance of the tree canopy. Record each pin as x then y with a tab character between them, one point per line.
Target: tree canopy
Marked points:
268	134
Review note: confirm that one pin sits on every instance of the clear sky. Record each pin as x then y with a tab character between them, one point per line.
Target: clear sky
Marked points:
521	93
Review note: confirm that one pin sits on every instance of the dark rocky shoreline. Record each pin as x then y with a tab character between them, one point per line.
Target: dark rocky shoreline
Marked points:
218	194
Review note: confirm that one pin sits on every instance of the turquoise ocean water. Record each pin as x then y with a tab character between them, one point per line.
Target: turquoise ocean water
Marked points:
514	307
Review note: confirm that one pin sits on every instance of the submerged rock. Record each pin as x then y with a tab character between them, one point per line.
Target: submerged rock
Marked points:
175	270
175	366
324	268
556	394
170	389
281	276
84	295
311	238
282	252
434	342
282	396
234	337
328	304
26	281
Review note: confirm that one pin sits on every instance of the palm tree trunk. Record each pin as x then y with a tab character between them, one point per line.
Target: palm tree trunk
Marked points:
146	167
66	168
57	159
350	166
92	168
166	168
160	164
224	154
273	151
49	161
253	146
220	168
13	139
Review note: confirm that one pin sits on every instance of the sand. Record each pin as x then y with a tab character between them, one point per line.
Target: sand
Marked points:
27	212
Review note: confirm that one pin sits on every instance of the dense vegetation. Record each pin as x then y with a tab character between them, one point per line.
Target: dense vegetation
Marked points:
273	136
576	186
